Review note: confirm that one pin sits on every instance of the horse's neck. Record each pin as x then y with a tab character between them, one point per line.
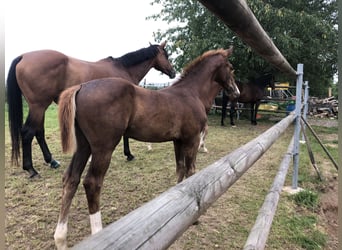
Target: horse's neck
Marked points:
208	97
138	71
206	90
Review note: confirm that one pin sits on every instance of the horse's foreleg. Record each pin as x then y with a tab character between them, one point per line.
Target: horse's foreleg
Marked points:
180	164
224	108
40	135
127	151
257	104
232	113
71	181
190	154
253	116
254	111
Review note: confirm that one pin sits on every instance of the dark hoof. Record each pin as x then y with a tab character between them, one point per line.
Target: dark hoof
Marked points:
54	164
130	158
233	125
196	223
33	174
222	124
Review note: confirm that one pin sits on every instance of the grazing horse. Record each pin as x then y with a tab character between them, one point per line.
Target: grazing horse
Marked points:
41	76
250	92
96	114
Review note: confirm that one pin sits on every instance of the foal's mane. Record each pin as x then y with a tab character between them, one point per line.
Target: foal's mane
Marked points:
138	56
189	68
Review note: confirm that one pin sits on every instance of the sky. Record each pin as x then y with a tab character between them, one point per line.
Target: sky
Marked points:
85	29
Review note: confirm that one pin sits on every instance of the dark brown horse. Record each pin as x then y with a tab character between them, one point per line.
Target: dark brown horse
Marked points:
41	76
95	115
251	92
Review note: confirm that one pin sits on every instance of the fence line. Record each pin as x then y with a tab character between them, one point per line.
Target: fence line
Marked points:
158	223
258	235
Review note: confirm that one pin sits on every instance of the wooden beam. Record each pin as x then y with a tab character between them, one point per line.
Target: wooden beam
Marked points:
258	235
239	18
158	223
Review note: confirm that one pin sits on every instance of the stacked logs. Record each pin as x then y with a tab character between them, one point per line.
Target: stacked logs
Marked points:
320	108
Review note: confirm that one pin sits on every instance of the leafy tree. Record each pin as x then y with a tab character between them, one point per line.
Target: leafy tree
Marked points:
305	31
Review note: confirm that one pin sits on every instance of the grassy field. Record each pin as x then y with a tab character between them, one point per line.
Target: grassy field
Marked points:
301	222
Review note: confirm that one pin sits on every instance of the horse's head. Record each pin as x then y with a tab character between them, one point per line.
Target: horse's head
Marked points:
266	80
225	77
162	63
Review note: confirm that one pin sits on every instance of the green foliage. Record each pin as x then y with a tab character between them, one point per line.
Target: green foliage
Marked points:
304	31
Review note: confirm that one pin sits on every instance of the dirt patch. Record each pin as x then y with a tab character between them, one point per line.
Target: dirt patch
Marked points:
323	122
329	211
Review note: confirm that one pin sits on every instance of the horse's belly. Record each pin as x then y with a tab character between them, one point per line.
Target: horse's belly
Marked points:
152	134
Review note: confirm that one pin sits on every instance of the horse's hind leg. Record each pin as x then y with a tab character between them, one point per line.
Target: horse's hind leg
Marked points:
71	180
93	181
34	126
127	151
40	136
27	134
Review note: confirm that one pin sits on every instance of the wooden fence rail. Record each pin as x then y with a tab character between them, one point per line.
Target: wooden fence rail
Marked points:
158	223
258	235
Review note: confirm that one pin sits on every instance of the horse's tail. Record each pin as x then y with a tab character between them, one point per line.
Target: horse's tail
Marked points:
15	110
66	116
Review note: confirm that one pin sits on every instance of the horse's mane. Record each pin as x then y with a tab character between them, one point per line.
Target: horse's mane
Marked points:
189	68
138	56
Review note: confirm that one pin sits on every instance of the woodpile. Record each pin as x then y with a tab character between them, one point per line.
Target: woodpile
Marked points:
327	107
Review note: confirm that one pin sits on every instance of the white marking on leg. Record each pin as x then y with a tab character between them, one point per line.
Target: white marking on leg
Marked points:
60	235
202	142
95	222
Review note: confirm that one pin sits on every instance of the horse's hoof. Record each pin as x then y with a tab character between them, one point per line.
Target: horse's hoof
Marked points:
196	223
130	158
233	125
34	175
54	164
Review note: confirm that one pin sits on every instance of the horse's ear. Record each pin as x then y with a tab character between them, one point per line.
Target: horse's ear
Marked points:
163	44
230	51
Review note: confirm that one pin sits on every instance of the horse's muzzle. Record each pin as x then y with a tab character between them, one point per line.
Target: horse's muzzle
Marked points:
172	74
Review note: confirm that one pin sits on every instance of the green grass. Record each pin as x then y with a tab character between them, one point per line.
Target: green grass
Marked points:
307	199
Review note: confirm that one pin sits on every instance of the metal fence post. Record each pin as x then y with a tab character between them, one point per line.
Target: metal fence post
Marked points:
306	104
299	84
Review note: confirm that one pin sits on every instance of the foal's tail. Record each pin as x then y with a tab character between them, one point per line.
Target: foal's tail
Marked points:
66	115
15	110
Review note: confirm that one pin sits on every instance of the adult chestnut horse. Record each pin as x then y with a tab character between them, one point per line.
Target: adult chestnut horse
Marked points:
96	114
251	92
41	76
